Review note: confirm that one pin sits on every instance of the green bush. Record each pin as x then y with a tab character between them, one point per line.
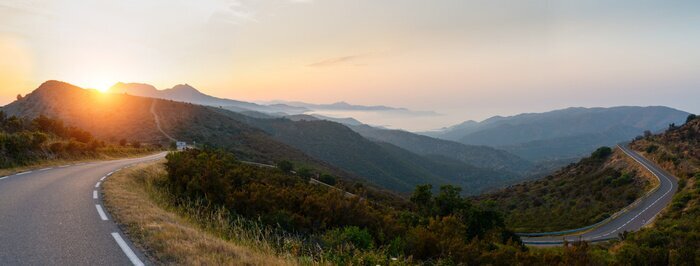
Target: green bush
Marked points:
601	153
285	166
353	235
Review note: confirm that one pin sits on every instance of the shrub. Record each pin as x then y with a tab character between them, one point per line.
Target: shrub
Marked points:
56	147
328	179
285	166
601	153
38	139
651	148
358	238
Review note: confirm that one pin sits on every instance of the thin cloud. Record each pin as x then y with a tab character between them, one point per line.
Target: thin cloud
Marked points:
341	60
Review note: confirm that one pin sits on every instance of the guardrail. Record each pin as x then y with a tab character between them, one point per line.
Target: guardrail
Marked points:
606	220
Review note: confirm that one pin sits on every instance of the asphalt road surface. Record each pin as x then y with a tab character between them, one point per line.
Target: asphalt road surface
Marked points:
54	216
632	220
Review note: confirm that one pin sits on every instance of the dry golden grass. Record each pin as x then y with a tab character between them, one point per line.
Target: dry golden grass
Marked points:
167	237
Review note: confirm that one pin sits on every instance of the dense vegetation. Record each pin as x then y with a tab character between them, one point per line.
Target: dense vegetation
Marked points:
24	141
578	195
348	229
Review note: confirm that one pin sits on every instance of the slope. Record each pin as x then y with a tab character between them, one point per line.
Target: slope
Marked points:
574	131
482	156
382	163
118	116
578	195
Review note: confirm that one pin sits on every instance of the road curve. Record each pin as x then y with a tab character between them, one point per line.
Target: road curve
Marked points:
633	219
54	216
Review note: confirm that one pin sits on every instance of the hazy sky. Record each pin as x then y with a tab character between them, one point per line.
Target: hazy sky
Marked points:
464	59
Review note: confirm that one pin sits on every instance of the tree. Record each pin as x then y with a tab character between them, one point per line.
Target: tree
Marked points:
122	142
423	198
601	153
449	201
691	117
305	173
136	144
328	179
19	97
285	166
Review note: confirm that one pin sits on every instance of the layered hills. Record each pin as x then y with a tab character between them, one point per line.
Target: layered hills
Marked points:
562	134
326	145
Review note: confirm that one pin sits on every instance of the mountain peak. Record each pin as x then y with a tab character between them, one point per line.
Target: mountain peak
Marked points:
134	88
183	87
54	84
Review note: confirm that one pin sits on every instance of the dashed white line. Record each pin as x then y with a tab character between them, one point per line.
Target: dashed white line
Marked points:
650	205
23	173
101	212
127	250
94	194
103	178
98	184
45	169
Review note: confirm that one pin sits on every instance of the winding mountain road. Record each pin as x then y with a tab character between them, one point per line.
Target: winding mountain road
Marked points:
54	216
632	220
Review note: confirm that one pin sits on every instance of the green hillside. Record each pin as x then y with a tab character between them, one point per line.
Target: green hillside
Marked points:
578	195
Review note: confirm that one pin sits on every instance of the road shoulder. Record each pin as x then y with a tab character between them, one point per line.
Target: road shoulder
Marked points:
163	235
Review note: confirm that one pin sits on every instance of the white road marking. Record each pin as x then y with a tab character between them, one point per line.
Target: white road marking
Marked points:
650	205
654	172
127	250
94	194
1	178
103	178
63	166
98	184
101	212
45	169
23	173
110	173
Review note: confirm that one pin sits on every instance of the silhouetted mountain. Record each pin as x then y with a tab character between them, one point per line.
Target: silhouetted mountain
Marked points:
324	145
119	116
188	94
561	134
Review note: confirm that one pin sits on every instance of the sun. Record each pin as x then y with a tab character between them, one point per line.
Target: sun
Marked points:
101	85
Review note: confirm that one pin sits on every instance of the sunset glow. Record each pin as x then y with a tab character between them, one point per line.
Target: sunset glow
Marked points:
458	58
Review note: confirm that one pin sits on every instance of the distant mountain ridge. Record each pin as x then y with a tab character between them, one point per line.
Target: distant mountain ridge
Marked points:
188	94
562	134
320	144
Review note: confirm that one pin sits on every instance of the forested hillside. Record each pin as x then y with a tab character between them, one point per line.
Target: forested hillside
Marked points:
316	223
382	163
578	195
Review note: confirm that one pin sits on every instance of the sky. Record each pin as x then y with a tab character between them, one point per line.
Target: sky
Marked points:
463	59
